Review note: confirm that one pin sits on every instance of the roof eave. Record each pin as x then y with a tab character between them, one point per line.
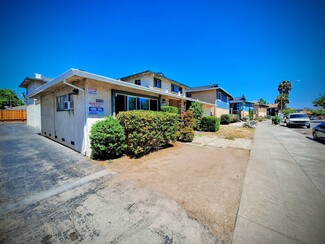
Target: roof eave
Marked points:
87	75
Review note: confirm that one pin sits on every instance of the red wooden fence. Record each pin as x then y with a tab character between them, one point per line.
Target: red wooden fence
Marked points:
13	115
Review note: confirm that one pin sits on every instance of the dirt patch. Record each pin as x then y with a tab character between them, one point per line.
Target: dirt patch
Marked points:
206	181
231	132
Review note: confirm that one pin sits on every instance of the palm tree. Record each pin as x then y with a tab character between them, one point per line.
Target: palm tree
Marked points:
284	89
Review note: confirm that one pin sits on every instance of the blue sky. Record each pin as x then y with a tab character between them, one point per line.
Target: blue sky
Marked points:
247	47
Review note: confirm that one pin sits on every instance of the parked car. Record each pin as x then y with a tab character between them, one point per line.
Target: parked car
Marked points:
297	120
319	132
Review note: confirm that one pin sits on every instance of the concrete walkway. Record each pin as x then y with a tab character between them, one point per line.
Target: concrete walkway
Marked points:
283	199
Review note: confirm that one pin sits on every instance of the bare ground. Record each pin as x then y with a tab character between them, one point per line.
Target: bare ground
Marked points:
206	181
230	132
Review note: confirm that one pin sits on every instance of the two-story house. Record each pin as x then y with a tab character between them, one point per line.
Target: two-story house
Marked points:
33	106
157	82
72	102
212	94
240	106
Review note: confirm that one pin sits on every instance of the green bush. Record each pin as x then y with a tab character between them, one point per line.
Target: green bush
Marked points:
251	113
276	120
196	108
225	119
210	123
189	120
148	130
185	134
169	109
107	139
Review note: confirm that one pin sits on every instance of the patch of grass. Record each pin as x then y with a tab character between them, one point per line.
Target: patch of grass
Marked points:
232	132
199	135
109	161
229	132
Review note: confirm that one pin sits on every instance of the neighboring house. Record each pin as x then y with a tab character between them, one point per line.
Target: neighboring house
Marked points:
212	94
74	101
260	110
33	105
272	109
159	82
240	106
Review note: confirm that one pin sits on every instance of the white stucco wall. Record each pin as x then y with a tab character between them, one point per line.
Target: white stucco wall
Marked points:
33	107
34	114
104	93
67	125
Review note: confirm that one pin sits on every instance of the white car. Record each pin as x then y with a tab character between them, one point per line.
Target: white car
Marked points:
297	120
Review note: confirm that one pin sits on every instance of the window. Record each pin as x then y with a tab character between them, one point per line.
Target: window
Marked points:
219	95
64	103
137	82
144	103
189	95
132	103
222	97
157	83
176	88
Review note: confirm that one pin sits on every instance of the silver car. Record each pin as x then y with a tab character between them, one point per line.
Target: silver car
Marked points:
319	132
297	120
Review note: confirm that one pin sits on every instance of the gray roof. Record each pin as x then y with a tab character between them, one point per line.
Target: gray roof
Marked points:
207	88
28	80
156	74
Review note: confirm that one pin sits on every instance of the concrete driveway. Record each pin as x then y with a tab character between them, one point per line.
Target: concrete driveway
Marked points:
283	199
51	194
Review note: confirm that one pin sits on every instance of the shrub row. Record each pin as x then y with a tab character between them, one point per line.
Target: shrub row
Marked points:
226	119
169	109
210	123
147	130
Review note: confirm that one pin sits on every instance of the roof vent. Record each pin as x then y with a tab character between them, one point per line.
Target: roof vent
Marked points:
38	76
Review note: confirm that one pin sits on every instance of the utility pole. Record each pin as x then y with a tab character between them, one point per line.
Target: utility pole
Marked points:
281	95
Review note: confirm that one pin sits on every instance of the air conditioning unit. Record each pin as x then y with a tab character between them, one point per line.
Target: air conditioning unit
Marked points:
66	105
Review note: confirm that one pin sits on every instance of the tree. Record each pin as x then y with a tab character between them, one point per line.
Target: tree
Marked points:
282	99
8	98
284	89
318	112
287	111
196	108
262	101
320	101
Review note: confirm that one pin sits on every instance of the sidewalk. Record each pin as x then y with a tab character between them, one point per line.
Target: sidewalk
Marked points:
283	199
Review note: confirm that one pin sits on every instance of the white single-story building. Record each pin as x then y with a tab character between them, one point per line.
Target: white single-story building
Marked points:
71	103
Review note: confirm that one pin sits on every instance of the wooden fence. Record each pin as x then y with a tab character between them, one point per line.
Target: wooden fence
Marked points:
13	115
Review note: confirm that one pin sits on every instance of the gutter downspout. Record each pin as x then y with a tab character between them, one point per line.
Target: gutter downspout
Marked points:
84	115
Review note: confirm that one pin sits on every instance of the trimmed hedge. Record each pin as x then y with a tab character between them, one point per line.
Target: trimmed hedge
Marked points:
169	109
148	130
210	123
225	119
107	139
185	134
